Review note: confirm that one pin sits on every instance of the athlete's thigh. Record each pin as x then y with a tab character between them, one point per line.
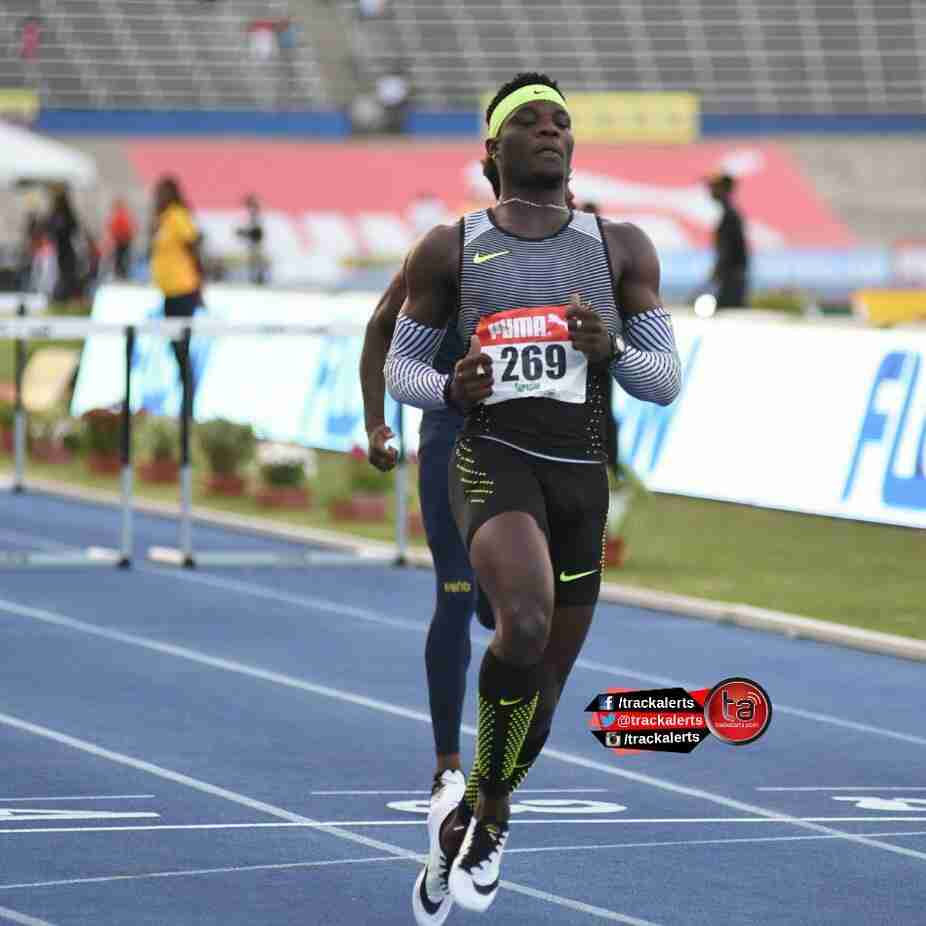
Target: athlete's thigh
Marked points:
576	497
487	479
499	508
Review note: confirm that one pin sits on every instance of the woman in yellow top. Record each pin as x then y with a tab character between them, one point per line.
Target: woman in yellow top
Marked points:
176	264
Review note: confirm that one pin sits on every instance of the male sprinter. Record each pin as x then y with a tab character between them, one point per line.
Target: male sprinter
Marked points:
550	302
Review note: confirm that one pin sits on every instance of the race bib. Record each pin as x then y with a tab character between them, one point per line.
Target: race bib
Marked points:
532	356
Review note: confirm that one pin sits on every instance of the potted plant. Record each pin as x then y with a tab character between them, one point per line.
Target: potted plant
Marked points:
228	448
364	492
53	437
159	449
102	428
7	417
283	471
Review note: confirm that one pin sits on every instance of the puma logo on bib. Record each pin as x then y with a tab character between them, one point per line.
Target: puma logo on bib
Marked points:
532	355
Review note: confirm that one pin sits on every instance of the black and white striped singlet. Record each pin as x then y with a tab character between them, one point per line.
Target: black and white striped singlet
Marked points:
500	272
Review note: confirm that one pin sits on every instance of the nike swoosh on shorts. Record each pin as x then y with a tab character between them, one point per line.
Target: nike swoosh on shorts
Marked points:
565	577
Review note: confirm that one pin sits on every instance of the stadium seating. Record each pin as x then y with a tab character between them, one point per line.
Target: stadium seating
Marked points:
749	56
154	54
755	56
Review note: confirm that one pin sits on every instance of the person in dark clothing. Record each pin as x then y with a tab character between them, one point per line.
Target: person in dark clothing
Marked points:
121	231
731	264
253	234
62	227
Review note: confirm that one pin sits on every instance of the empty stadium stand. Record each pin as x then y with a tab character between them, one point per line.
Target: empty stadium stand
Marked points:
742	56
154	54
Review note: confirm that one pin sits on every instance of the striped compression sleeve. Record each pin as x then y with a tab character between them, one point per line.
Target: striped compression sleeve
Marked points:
649	369
410	378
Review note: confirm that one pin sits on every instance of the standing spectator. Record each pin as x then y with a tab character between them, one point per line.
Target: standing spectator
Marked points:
371	9
63	227
121	230
393	92
253	234
262	38
731	264
30	38
32	240
176	261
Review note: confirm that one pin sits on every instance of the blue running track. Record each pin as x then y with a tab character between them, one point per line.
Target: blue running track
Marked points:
252	747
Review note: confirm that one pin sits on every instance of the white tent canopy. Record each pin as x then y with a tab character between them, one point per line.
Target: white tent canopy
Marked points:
29	158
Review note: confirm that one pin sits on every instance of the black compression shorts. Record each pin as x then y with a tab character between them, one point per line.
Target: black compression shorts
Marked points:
569	502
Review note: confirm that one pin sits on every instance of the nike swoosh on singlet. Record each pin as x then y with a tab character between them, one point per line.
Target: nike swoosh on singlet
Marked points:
482	258
505	703
564	577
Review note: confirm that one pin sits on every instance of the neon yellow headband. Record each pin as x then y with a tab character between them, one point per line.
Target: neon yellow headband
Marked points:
517	99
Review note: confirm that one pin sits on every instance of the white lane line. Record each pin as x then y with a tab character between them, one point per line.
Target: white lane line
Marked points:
12	916
520	791
385	707
282	866
80	797
280	813
691	842
422	717
481	639
364	614
848	788
516	821
172	827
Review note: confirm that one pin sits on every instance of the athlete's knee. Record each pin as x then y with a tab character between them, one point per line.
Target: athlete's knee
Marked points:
522	628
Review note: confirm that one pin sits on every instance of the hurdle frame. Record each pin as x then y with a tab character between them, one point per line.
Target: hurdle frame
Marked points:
184	555
92	555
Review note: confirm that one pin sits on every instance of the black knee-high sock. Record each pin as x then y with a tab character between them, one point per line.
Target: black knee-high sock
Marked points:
539	729
508	698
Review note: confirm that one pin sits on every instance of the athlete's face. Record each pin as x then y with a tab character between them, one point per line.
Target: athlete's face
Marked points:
534	148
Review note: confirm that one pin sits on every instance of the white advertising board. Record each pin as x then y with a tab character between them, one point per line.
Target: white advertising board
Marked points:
826	419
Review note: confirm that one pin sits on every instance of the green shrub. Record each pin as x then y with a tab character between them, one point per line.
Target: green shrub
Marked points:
364	478
282	474
781	300
227	446
7	414
101	429
55	427
285	465
158	438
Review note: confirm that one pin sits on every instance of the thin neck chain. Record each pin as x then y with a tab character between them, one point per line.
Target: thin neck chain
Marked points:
527	202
